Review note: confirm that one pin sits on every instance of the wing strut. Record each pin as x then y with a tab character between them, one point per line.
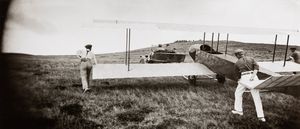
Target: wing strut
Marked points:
212	42
274	48
127	53
126	46
129	34
204	38
226	44
218	42
286	49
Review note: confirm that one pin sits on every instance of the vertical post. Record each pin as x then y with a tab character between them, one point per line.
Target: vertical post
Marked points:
129	35
212	42
274	51
204	38
218	42
226	43
286	49
126	46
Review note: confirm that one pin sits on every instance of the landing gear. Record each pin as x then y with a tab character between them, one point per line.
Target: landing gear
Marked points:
192	79
221	79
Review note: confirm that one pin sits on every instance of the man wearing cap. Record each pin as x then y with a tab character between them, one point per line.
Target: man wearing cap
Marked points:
160	49
193	51
142	60
246	69
295	56
86	57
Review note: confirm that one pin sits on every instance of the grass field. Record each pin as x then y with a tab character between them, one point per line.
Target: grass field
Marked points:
52	89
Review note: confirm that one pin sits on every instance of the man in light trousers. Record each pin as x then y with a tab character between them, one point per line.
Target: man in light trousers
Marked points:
247	69
86	64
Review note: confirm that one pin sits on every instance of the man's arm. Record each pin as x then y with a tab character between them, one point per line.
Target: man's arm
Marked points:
254	64
256	68
237	74
78	54
95	59
291	57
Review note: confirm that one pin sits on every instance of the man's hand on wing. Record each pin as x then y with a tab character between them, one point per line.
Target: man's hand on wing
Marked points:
253	75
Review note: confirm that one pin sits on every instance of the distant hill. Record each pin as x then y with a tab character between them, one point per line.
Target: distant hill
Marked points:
260	51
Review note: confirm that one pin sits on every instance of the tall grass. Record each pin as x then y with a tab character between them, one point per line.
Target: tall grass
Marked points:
53	88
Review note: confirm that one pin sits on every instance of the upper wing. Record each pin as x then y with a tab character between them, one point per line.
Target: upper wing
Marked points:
195	28
106	71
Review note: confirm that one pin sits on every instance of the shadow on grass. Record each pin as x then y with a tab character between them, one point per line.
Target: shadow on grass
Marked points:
72	109
152	83
175	123
293	91
60	87
71	117
243	122
65	122
134	115
145	87
272	122
125	104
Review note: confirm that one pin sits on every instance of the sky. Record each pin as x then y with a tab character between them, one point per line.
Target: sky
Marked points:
61	27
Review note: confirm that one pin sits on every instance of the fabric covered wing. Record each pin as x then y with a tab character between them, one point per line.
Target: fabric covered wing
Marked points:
280	81
276	67
106	71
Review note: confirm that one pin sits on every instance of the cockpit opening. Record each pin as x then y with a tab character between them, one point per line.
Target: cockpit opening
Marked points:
208	49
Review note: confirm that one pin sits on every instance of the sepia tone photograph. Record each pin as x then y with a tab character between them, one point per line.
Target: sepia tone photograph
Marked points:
150	64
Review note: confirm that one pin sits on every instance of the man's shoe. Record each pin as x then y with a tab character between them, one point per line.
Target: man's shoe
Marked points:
262	119
85	90
237	112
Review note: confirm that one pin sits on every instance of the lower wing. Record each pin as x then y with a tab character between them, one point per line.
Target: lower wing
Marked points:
110	71
280	81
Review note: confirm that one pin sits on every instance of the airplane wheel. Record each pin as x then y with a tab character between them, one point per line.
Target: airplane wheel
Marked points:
193	79
221	79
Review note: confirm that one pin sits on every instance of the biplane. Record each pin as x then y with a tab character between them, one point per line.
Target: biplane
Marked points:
209	62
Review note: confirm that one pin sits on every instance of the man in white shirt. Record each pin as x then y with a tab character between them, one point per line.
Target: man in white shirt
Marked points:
86	57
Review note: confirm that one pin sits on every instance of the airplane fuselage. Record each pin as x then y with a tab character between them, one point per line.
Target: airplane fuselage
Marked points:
221	64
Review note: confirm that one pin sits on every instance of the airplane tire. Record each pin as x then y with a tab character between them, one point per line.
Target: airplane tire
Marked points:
221	79
192	79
